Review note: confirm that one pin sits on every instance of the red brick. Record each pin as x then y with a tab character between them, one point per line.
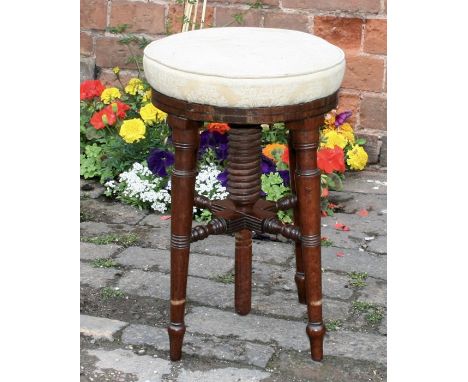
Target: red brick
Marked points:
273	3
93	14
286	21
364	73
142	17
110	53
349	102
86	44
374	112
363	6
375	37
225	17
176	14
341	31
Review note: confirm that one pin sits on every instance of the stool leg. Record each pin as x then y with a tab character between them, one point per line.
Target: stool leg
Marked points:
299	276
243	272
185	139
305	142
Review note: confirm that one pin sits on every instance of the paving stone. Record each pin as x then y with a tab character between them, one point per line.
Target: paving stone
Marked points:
96	277
154	237
342	239
383	326
264	275
98	327
266	251
229	374
211	347
154	220
375	292
366	182
89	251
157	285
285	304
368	226
295	366
88	229
353	260
352	202
113	212
378	245
199	265
287	334
144	368
87	66
91	189
333	285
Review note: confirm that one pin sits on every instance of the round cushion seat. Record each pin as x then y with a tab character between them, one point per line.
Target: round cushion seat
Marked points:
244	67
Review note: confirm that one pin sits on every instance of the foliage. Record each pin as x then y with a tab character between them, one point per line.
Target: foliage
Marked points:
108	293
125	240
358	279
373	313
103	263
274	189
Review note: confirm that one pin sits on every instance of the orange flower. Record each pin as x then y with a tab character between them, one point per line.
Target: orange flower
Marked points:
273	148
219	127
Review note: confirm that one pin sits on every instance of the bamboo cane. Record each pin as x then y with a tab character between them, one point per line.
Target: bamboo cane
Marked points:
202	23
194	20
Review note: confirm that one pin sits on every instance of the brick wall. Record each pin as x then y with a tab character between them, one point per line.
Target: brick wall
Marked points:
359	27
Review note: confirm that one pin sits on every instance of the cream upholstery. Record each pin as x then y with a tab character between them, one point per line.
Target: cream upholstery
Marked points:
244	67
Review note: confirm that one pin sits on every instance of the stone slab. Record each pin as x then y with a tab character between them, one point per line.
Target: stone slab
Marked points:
89	251
199	265
375	292
113	212
378	245
228	374
112	363
90	189
211	347
367	182
100	328
352	202
96	277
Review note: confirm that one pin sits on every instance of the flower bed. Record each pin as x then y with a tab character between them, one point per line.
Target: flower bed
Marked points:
125	142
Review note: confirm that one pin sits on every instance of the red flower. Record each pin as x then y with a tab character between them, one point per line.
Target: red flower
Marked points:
285	156
325	193
219	127
121	109
90	89
97	118
329	160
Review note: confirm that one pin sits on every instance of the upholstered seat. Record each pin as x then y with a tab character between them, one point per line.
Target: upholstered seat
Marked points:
244	67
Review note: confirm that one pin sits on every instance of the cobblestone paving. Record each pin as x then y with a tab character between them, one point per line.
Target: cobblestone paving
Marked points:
125	293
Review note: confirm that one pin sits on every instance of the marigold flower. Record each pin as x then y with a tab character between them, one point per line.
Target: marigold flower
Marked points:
147	96
273	148
357	158
134	86
333	138
116	70
219	127
90	89
347	131
103	118
132	130
109	94
151	114
329	160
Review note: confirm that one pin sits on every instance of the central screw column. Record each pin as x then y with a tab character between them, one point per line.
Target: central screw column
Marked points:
244	186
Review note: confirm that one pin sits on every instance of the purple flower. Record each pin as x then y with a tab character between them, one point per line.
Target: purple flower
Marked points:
222	151
222	177
159	160
342	117
212	139
267	165
285	176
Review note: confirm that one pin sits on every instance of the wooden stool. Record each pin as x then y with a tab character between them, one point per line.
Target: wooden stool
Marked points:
246	77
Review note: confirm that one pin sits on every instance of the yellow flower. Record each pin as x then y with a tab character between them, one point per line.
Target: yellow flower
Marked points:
134	86
151	114
272	148
132	130
357	158
330	119
333	138
347	131
147	96
116	70
109	94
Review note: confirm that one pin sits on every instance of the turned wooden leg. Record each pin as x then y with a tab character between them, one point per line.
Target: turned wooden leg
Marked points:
185	139
243	272
244	185
299	276
305	141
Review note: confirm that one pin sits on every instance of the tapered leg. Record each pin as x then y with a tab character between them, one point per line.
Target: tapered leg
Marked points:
305	142
243	272
185	139
299	276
